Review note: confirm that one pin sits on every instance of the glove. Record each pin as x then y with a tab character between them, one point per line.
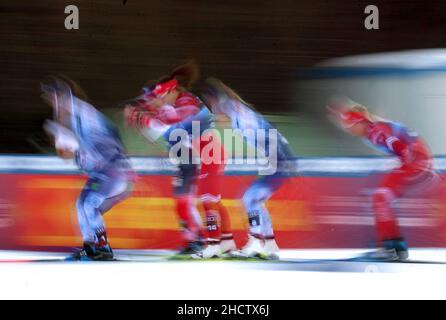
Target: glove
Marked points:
137	118
64	138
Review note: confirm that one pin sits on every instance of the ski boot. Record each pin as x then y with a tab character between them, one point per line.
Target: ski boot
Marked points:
212	251
103	251
271	250
192	248
85	254
227	245
393	251
253	249
100	251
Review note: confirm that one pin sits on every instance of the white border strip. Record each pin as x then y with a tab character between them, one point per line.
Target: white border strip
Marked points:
49	164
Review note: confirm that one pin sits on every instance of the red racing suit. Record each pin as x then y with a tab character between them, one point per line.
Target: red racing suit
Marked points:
416	170
208	182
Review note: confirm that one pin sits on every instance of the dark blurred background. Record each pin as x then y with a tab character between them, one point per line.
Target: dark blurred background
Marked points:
255	46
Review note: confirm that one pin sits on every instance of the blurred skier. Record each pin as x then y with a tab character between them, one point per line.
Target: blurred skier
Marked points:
83	133
162	108
227	104
415	170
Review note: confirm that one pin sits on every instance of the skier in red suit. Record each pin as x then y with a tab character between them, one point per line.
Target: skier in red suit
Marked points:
164	107
415	170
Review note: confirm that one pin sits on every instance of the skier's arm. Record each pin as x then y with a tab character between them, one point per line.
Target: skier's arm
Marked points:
382	135
402	150
65	141
171	115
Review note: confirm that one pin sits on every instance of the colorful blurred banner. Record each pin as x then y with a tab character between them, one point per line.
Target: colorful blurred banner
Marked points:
326	205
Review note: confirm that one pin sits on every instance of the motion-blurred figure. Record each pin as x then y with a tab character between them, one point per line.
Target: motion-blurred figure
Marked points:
416	171
83	133
162	108
227	104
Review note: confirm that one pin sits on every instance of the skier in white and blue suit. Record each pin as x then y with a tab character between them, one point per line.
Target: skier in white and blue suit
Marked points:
83	133
225	102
